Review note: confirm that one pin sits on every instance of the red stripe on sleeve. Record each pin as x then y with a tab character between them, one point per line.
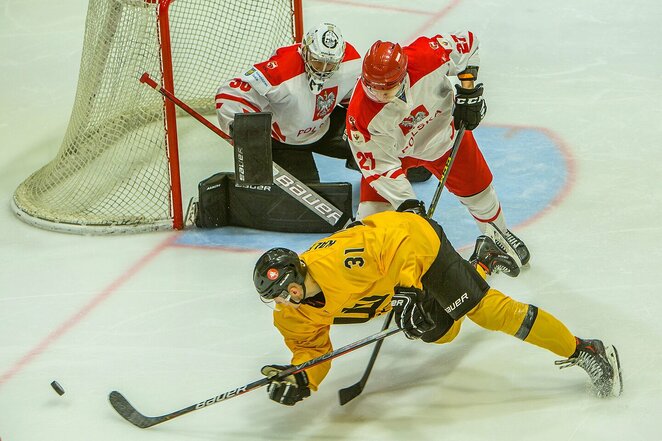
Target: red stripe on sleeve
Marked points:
393	175
397	173
245	102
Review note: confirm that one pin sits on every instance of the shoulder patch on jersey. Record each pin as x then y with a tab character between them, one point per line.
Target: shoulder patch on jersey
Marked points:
360	112
354	133
256	79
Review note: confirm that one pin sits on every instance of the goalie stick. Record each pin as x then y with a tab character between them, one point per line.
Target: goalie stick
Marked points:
348	393
282	178
129	413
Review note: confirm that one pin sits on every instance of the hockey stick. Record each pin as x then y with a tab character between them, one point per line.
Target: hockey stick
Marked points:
491	229
282	178
129	413
348	393
446	171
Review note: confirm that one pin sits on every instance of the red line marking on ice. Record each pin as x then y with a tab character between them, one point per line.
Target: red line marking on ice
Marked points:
215	248
84	311
372	6
433	19
569	165
512	131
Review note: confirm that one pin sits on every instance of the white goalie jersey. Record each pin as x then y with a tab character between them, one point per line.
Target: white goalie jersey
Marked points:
417	124
280	86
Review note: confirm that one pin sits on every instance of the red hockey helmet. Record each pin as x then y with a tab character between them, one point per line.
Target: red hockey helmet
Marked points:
384	69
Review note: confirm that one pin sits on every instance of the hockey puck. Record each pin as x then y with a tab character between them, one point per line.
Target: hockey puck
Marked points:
57	388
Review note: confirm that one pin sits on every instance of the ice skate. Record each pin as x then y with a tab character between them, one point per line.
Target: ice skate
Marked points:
602	365
492	258
509	243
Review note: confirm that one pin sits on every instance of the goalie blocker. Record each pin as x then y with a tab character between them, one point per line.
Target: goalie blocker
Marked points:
248	197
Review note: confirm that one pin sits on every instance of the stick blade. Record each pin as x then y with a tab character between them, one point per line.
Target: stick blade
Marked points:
129	413
348	393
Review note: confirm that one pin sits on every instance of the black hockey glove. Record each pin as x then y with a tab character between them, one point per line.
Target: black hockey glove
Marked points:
470	108
289	390
412	206
409	313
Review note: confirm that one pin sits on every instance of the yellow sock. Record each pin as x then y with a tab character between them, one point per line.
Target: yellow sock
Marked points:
499	312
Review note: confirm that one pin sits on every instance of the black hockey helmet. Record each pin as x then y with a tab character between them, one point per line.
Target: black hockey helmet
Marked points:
275	270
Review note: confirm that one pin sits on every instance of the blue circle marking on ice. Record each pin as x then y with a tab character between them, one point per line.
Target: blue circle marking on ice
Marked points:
530	170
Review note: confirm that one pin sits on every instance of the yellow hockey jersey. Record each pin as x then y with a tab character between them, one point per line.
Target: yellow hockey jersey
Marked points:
357	270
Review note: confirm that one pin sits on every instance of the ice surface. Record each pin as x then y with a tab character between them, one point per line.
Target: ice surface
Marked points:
170	321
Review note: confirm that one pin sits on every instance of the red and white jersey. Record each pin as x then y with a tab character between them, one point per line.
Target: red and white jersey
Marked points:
280	86
417	124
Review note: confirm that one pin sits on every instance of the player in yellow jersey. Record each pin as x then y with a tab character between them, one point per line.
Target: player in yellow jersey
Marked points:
404	261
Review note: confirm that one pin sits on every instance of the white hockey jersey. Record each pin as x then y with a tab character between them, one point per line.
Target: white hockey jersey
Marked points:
279	85
419	123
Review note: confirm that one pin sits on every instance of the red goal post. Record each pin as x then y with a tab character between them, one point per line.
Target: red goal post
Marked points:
117	169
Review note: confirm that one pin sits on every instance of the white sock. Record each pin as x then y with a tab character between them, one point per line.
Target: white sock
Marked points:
485	207
370	207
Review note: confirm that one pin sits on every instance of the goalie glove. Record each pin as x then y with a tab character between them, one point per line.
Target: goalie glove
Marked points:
289	390
409	313
470	108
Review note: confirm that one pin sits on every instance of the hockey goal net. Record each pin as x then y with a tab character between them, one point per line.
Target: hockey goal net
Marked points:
117	169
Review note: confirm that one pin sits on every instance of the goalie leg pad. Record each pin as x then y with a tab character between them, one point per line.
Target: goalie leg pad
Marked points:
252	149
298	160
221	203
212	210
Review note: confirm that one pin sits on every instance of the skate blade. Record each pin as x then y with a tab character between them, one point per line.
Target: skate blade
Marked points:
493	232
612	356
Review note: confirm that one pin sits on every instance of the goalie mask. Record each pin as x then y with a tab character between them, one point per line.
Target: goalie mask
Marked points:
275	270
322	49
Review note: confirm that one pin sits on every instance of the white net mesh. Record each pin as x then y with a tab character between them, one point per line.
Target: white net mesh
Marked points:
112	172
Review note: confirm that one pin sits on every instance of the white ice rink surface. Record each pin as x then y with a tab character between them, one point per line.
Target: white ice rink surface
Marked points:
170	326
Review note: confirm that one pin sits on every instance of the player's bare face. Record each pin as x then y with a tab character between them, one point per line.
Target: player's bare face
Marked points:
383	95
292	297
